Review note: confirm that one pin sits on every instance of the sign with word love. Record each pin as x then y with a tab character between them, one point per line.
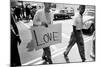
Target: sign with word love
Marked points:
45	36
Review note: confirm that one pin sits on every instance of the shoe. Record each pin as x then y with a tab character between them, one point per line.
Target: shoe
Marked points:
47	60
83	60
66	58
93	57
44	62
44	58
50	61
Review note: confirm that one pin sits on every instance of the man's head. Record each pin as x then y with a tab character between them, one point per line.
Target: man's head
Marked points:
47	6
81	9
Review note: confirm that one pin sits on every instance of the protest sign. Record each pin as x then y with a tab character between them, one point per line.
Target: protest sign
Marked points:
44	37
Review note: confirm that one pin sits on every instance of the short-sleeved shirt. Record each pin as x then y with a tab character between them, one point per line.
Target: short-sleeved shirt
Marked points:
42	17
78	21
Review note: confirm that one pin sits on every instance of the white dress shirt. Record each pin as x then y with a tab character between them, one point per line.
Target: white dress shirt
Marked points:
42	17
78	21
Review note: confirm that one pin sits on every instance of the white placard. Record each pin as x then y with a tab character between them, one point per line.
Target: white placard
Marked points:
44	37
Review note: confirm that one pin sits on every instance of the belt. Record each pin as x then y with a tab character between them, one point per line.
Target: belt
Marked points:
74	28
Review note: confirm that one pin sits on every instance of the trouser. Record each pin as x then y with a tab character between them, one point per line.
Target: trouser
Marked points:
94	47
76	37
15	58
47	54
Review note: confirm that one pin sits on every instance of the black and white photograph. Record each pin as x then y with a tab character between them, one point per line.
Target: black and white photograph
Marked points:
46	33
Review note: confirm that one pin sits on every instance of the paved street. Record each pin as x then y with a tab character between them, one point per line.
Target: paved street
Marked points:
34	57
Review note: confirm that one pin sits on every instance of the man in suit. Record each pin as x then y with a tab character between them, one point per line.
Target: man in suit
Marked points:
15	40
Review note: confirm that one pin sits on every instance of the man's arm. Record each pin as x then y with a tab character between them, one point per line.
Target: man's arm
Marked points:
15	29
52	17
36	20
14	25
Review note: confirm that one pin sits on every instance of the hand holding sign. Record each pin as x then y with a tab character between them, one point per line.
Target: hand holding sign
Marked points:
44	24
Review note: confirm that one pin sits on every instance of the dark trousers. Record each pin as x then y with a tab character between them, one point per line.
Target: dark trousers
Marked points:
14	57
76	37
47	54
94	47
